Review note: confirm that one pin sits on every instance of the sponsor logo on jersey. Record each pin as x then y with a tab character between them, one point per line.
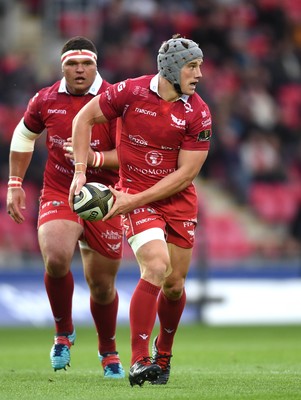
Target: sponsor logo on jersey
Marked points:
126	226
142	209
188	107
144	220
56	111
111	235
64	170
121	86
204	135
54	203
114	247
138	140
188	223
153	158
191	233
144	92
206	122
177	122
145	112
140	91
150	171
48	213
169	148
56	141
190	228
108	95
136	90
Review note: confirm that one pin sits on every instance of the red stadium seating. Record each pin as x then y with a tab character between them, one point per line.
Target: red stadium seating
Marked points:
275	203
224	238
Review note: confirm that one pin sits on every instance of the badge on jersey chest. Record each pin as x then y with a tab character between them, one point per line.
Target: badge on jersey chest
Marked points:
154	158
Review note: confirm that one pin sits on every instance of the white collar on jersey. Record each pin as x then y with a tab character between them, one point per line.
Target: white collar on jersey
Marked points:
93	89
154	87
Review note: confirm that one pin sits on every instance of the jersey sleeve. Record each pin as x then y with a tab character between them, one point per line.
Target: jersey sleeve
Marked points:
33	116
113	101
199	128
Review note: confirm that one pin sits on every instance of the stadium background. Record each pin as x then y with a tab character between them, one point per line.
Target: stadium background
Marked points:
246	266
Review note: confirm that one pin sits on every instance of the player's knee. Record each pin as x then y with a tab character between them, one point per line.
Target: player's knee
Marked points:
173	290
154	272
100	293
56	265
173	293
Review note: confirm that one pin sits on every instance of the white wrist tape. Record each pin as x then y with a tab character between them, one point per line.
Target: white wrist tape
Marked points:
98	160
15	182
23	140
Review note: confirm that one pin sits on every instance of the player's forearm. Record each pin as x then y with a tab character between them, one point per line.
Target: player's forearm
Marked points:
82	125
111	159
19	163
81	137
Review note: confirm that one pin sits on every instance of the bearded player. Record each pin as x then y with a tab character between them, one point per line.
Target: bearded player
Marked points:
164	142
52	110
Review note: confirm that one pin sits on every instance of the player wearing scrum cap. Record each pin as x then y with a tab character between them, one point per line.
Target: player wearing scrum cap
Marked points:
59	229
164	143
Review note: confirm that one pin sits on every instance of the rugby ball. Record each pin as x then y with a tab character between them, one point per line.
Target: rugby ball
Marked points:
93	202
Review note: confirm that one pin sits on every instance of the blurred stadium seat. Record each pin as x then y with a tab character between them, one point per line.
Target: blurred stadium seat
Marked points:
225	238
275	203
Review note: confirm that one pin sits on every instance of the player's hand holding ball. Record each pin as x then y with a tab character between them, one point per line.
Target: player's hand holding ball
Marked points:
93	202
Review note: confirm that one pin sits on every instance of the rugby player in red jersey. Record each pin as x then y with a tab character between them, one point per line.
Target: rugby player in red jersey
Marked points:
59	229
164	142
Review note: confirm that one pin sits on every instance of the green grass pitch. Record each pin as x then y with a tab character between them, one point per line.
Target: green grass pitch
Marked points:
216	363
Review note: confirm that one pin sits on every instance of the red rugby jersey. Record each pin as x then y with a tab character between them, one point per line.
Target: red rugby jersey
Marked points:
52	109
154	130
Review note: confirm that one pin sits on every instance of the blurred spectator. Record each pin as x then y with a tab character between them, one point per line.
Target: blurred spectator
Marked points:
18	78
261	157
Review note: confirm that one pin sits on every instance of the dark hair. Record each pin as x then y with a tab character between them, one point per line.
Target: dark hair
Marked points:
79	43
